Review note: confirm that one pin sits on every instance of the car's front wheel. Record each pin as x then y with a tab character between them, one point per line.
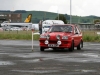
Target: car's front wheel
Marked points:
41	48
80	45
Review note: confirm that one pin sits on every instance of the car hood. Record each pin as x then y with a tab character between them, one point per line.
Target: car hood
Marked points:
59	33
54	34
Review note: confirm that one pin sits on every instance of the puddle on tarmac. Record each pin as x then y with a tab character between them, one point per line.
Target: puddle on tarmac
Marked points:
85	71
4	53
76	57
94	55
6	63
31	61
88	71
37	71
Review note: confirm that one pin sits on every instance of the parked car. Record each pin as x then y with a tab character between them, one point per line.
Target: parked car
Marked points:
62	36
36	33
15	29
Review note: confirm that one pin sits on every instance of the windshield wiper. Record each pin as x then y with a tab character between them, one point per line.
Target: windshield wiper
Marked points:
67	31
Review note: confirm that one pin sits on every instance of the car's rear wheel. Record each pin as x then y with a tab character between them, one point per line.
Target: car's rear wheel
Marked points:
72	46
80	45
41	48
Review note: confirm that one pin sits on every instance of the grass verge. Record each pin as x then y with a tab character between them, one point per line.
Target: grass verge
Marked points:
88	36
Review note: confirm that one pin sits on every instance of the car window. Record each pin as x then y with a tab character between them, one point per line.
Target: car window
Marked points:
56	29
67	29
61	28
47	26
76	30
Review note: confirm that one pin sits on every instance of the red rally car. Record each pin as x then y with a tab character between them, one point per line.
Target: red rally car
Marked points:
62	36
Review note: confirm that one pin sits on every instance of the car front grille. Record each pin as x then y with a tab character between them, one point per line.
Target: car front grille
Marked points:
52	42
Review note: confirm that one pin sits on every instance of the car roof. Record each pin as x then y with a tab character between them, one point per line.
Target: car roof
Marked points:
64	24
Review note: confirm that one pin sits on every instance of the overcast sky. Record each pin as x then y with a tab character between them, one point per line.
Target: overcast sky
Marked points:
79	7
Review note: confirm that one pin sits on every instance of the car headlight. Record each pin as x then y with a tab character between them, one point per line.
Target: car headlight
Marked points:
65	37
42	36
58	37
48	36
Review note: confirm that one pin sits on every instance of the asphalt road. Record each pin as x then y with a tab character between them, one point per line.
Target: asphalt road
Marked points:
17	58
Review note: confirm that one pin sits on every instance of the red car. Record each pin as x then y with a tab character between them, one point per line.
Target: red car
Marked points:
62	36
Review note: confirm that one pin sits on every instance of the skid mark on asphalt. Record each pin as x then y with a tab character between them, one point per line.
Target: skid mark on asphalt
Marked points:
6	63
71	57
37	71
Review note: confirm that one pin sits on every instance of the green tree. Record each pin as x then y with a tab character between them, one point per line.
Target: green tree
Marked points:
61	17
97	20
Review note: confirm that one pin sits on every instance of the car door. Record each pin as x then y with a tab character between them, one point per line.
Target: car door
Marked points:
76	36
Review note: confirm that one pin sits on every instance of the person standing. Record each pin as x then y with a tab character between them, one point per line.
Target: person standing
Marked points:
40	27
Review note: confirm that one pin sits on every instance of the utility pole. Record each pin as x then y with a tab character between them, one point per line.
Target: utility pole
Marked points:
58	15
70	13
44	15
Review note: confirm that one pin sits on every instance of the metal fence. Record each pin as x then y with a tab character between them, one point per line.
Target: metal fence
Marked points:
89	27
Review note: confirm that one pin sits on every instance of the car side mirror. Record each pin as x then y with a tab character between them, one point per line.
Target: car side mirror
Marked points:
45	31
76	32
71	31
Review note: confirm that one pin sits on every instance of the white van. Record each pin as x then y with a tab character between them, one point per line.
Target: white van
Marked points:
47	24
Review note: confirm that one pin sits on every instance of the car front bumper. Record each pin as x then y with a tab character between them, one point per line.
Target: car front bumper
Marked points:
53	44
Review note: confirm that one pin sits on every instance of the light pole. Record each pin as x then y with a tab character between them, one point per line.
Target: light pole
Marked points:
58	15
70	13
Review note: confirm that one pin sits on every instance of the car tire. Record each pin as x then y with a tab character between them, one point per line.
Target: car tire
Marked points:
80	45
72	47
41	48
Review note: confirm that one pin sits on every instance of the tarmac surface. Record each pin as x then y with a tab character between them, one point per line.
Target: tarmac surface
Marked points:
17	58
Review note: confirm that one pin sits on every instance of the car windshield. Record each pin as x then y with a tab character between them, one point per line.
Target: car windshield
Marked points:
60	28
46	26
